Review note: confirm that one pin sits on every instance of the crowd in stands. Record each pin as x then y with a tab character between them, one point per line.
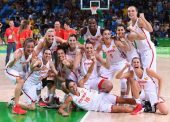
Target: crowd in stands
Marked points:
43	13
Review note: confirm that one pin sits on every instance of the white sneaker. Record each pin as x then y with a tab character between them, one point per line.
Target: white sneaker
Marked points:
11	102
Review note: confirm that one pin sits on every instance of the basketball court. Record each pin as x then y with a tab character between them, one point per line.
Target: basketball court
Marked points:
51	115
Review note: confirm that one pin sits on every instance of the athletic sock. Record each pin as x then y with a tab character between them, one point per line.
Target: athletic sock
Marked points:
138	101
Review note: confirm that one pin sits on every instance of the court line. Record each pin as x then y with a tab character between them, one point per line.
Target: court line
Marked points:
85	116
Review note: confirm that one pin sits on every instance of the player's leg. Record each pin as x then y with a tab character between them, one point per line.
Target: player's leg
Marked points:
135	93
121	109
13	75
30	93
19	85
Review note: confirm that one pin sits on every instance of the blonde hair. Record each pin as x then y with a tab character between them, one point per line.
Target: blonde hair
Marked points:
50	30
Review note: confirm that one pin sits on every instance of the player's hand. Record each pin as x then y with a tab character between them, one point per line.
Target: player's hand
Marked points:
122	39
66	62
141	15
93	58
130	28
63	113
17	55
140	22
127	65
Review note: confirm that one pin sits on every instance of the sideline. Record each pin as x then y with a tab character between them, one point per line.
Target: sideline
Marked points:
85	116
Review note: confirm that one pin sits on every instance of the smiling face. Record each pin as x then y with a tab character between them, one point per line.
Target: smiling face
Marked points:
92	24
120	31
28	48
106	34
136	63
47	55
73	88
89	50
72	42
132	12
61	54
50	36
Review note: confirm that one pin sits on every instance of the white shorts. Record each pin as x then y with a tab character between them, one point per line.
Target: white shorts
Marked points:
12	74
148	58
30	92
108	100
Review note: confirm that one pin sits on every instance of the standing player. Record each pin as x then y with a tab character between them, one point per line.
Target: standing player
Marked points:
129	38
92	32
145	47
10	39
16	71
144	86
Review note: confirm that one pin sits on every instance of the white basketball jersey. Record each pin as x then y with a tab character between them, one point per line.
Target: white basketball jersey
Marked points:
146	43
35	77
114	52
67	73
146	82
93	38
71	55
133	51
85	64
88	99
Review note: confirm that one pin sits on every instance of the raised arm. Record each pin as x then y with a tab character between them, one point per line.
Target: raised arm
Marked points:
121	73
135	35
60	40
39	47
86	77
153	74
144	23
105	63
64	106
77	60
123	45
68	63
17	56
99	48
53	68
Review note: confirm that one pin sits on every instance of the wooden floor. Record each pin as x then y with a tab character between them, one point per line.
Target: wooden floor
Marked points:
163	68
